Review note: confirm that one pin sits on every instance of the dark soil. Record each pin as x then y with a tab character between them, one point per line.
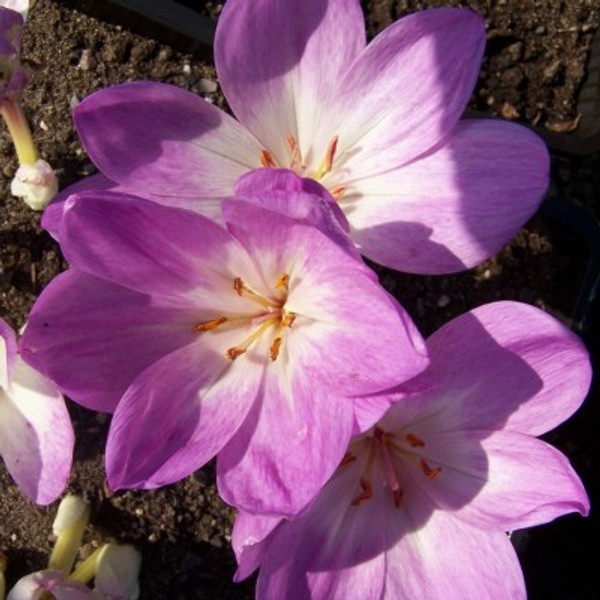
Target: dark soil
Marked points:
533	70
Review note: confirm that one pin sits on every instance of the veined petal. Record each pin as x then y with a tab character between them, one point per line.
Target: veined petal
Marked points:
148	247
501	365
522	482
348	332
449	559
278	85
249	539
79	316
193	401
8	354
36	436
289	445
406	90
164	140
453	207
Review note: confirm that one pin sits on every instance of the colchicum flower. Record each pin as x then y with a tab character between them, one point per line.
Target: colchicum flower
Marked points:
377	125
34	180
36	435
251	342
114	568
421	502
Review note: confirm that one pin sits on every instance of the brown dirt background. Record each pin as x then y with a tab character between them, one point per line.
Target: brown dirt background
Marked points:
533	71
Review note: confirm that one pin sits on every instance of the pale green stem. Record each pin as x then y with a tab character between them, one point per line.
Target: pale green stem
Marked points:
67	544
19	132
86	571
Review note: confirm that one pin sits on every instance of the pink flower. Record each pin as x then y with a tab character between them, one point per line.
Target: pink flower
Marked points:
13	76
377	125
251	342
420	504
36	436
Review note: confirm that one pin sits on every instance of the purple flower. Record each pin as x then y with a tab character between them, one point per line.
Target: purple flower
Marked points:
38	585
13	76
377	125
36	436
420	504
249	341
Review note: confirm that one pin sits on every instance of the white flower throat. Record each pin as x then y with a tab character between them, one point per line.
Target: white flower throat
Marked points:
273	317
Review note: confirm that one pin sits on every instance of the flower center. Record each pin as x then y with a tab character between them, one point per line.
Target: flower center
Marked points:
273	316
297	164
388	449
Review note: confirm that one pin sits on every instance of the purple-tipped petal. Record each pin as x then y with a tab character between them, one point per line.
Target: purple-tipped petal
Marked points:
407	90
294	437
449	210
109	333
503	365
162	140
142	245
8	354
278	84
193	401
521	483
36	436
249	539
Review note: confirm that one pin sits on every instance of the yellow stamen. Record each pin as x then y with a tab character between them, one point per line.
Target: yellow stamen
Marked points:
242	290
327	162
236	351
267	160
210	325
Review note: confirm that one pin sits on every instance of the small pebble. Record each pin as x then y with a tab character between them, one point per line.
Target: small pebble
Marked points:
207	86
187	69
443	301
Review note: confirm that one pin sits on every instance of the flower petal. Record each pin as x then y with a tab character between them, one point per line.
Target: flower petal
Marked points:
77	316
36	436
33	587
8	354
162	140
501	365
289	445
406	91
250	537
144	246
453	207
193	401
350	334
524	482
277	85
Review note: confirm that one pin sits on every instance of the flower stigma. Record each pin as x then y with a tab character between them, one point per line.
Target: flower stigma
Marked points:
272	316
389	449
297	164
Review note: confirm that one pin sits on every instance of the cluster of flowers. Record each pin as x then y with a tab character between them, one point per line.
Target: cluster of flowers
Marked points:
218	305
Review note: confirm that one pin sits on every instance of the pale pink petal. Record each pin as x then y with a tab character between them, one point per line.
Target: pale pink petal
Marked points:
503	365
164	140
348	332
249	539
8	353
406	91
38	584
278	60
192	400
295	437
453	207
36	436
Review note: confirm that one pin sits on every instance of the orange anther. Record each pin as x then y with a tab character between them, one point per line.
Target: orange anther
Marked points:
288	318
366	494
338	191
428	471
283	282
267	160
330	154
210	325
348	459
238	285
275	346
234	352
414	440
